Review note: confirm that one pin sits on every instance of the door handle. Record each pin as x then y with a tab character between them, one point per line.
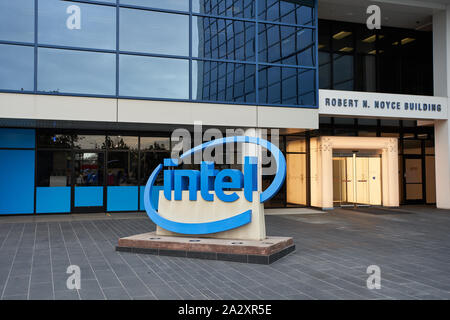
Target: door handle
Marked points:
362	180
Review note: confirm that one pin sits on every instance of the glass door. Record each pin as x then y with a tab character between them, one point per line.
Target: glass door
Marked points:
413	175
88	191
356	180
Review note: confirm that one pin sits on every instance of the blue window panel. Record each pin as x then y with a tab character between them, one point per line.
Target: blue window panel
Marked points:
122	198
97	27
182	5
78	72
155	197
17	181
154	32
235	39
17	138
154	77
16	67
238	9
298	12
52	199
88	196
17	20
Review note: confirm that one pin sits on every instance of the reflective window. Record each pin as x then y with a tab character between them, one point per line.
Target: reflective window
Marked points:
343	76
286	45
155	144
287	11
58	24
17	20
154	32
89	142
154	77
182	5
223	39
53	168
221	81
149	162
122	168
288	86
16	67
72	71
122	142
231	8
50	140
89	169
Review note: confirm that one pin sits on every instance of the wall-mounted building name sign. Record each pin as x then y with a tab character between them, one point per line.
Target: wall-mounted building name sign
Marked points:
379	105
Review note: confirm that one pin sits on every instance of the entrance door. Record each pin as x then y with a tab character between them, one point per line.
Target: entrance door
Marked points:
88	191
414	187
356	180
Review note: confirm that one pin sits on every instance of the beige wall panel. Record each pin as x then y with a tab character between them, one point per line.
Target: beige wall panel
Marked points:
293	118
143	111
46	107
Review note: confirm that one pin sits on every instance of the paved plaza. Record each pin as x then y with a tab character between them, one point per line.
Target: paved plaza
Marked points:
333	250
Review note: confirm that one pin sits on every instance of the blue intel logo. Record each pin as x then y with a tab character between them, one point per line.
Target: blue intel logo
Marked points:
209	179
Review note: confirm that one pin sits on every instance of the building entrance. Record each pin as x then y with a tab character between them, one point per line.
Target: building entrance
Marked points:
356	178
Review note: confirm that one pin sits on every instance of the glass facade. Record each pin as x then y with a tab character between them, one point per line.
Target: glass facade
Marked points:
230	51
389	60
99	171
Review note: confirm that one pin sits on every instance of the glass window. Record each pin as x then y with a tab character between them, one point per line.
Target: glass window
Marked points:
79	72
16	67
17	20
155	144
286	45
53	168
89	142
368	122
222	81
287	11
182	5
122	142
288	86
324	70
122	168
49	140
412	147
233	8
154	32
89	169
154	77
58	24
149	161
223	39
344	121
343	77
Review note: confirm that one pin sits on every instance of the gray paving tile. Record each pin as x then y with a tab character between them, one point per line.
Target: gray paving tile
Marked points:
116	294
41	291
67	295
17	286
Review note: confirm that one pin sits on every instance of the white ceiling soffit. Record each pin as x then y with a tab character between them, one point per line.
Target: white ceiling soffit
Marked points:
411	14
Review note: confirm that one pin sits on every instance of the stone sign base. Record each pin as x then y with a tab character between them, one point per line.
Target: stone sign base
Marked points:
248	251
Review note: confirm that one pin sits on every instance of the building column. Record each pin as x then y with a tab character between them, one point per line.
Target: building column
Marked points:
441	61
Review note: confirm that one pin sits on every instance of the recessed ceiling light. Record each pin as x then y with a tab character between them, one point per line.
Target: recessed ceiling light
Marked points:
341	35
407	40
346	49
372	38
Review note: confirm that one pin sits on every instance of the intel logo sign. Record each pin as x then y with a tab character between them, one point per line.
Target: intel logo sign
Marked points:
214	185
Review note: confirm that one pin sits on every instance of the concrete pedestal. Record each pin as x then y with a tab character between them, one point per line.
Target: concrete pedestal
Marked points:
248	251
